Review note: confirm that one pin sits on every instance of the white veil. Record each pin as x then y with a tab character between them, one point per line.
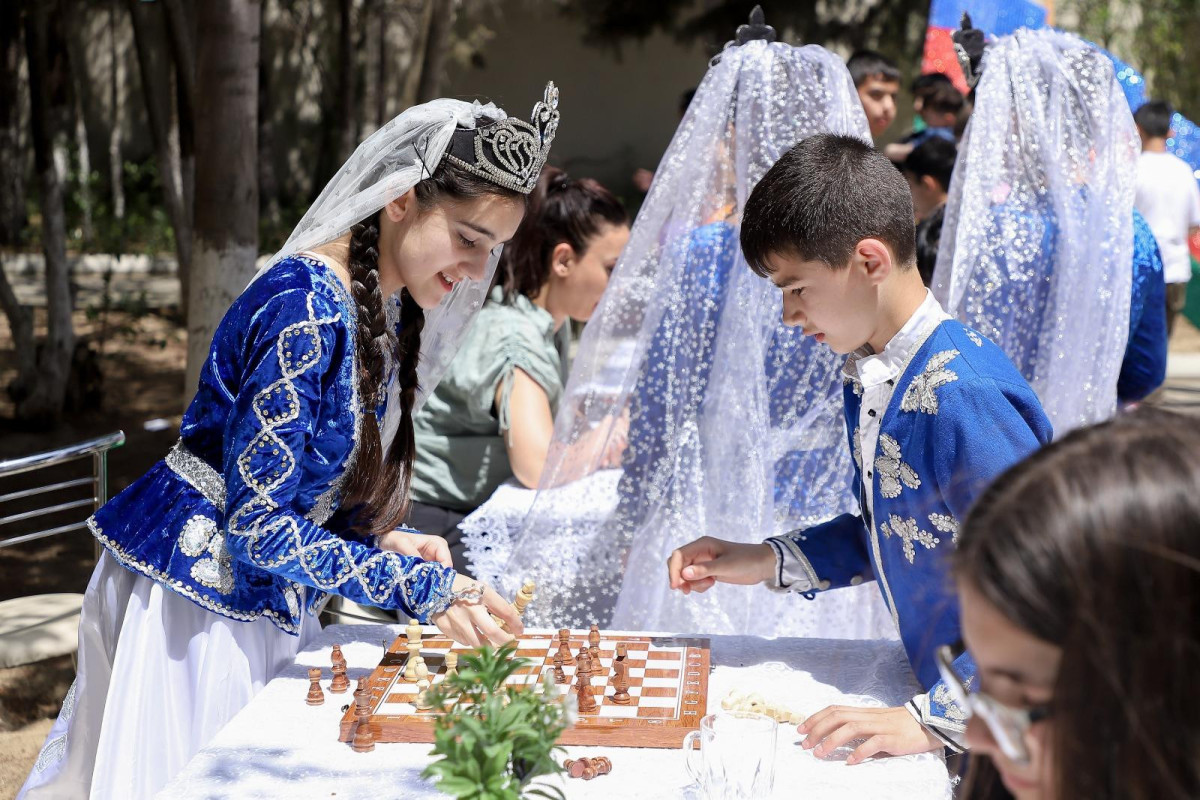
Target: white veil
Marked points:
386	165
735	424
1037	246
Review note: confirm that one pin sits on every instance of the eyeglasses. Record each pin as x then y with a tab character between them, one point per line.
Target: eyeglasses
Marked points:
1007	725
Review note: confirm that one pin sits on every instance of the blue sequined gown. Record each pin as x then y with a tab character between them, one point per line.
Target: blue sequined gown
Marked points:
216	558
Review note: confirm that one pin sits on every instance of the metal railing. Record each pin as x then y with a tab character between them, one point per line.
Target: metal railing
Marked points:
97	449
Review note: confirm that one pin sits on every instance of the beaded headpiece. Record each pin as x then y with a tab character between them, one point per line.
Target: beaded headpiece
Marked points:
509	152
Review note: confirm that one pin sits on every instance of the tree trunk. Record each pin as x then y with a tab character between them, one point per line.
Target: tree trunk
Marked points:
347	130
150	37
433	63
381	64
12	153
226	243
180	27
49	93
268	183
116	76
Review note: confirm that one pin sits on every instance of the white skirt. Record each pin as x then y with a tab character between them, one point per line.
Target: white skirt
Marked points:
158	676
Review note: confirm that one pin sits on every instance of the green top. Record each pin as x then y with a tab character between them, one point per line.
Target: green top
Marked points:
461	455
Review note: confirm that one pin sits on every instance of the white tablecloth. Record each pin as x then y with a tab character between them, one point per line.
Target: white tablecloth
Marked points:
279	747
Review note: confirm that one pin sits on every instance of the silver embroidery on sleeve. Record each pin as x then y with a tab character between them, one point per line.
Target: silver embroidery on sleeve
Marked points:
908	532
921	394
894	474
380	575
196	471
974	337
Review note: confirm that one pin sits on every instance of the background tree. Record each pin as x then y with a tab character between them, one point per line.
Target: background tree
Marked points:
226	126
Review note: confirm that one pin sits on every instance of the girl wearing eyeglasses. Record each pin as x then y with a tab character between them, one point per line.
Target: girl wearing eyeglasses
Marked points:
1079	580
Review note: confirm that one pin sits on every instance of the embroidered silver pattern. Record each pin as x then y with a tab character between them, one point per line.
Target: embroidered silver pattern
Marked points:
921	394
196	471
293	600
196	533
909	533
381	574
856	449
894	474
950	709
974	337
517	149
946	524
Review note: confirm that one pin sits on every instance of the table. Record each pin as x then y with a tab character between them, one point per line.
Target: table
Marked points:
279	747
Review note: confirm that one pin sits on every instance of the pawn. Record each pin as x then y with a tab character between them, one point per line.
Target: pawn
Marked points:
412	633
575	767
451	663
422	671
594	636
564	647
364	740
337	657
560	677
603	765
361	689
315	696
583	653
340	682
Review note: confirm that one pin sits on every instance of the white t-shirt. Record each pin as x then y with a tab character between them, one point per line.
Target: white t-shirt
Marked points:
1169	199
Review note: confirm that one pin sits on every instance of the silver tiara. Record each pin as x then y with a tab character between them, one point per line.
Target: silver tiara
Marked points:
510	152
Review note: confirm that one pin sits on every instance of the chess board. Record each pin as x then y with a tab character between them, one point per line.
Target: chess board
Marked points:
668	687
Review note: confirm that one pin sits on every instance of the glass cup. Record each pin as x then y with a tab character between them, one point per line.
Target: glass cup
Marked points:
737	755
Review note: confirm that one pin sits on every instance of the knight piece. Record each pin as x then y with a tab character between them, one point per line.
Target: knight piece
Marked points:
621	683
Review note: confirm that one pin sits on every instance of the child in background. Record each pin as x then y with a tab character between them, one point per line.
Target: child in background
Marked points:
877	80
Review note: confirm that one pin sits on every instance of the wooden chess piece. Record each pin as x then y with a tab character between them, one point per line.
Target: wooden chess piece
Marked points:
422	670
414	657
364	740
412	633
361	689
524	596
315	696
603	765
621	684
583	653
423	703
583	691
575	767
622	651
564	647
559	676
340	682
451	663
594	644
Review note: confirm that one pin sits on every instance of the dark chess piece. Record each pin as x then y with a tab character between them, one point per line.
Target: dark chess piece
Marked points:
564	647
315	696
364	740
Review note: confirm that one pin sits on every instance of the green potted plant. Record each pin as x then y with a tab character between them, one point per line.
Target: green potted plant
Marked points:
495	738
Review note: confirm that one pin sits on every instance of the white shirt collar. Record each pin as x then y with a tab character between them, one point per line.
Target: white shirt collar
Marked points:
872	369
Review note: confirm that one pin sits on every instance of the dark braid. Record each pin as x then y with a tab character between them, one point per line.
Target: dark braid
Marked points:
370	492
376	492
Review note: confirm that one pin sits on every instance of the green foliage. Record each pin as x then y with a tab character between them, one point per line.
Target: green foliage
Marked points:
495	738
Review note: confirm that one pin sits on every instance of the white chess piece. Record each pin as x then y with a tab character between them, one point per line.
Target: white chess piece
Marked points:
422	670
414	656
451	663
423	703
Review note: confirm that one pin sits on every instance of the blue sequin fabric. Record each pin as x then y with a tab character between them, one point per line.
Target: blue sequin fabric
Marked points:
240	515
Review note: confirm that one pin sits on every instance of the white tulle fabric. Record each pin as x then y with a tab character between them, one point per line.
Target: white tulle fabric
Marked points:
387	164
184	672
1037	245
734	421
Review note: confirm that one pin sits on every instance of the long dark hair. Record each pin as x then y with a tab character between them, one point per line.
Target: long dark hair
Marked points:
377	490
561	209
1093	545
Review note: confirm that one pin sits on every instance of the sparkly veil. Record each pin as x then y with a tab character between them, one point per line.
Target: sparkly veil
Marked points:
734	421
1037	246
386	165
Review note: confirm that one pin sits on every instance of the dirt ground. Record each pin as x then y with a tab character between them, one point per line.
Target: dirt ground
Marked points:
142	363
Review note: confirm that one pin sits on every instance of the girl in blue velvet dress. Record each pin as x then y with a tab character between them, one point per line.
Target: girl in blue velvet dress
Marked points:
291	473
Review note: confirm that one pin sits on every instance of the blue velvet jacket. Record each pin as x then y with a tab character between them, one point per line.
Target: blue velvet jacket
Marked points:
960	415
1144	367
240	515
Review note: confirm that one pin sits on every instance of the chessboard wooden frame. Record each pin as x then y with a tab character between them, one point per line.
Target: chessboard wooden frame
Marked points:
591	728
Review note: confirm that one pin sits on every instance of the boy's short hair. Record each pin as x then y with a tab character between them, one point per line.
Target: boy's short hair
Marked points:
824	196
934	157
929	240
943	98
864	64
923	83
1154	118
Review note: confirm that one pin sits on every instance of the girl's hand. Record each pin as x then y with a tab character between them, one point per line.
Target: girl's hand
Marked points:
417	545
469	620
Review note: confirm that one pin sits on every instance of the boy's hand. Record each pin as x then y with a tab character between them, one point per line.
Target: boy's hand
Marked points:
697	566
888	731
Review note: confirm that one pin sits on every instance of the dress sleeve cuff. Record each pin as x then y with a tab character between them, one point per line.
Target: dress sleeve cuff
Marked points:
793	571
951	732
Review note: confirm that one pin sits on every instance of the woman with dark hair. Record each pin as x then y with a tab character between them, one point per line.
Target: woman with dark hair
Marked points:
1079	578
492	416
291	473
